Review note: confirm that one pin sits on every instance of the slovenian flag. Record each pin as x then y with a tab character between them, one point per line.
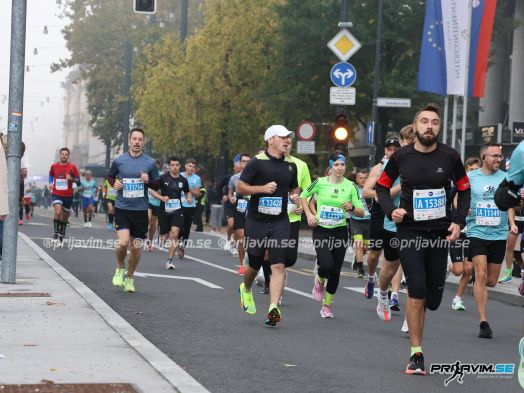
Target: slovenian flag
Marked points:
442	66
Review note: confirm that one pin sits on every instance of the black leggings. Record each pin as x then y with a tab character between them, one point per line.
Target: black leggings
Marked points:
424	258
292	252
330	245
188	213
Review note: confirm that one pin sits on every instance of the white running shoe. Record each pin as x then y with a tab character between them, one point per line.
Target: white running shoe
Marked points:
404	328
90	224
86	225
259	279
227	245
383	311
170	266
457	305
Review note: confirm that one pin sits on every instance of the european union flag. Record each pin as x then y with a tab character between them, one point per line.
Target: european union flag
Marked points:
432	67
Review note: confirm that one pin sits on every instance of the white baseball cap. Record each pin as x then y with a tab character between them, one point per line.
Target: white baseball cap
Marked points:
277	130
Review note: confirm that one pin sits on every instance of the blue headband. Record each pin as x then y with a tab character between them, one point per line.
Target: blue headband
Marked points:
339	157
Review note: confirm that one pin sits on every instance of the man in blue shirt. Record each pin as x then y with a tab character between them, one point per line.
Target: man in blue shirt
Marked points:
130	175
188	208
88	188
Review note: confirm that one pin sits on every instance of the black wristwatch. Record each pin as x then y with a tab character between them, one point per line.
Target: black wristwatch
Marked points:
352	208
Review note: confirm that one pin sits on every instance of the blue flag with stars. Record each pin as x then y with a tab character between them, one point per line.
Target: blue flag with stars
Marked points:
432	67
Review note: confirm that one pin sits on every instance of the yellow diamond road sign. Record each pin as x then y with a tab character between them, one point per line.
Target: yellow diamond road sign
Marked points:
344	45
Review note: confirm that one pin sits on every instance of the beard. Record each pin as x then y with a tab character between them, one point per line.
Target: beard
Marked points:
424	141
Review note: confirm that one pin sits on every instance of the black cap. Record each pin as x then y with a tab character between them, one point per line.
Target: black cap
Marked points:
392	141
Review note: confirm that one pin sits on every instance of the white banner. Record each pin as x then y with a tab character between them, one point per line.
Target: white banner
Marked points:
454	25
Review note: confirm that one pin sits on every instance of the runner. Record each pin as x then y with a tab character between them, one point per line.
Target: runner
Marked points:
487	229
376	230
335	196
460	265
153	211
229	209
88	188
239	203
172	184
130	174
360	225
110	195
516	220
61	177
188	208
29	185
424	223
268	179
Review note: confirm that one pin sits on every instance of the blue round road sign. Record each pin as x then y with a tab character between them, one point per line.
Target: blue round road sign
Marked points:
343	74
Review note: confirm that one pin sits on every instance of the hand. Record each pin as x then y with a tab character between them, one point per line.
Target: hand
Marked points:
312	220
348	206
269	188
144	177
224	198
2	217
69	177
514	229
164	199
398	215
294	198
298	211
454	230
118	185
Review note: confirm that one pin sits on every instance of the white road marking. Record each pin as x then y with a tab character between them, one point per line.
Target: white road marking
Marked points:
198	280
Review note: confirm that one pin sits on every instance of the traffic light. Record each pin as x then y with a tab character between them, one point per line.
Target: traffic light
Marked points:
341	132
144	6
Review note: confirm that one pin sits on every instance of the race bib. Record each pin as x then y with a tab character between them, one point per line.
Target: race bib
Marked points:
61	184
172	205
133	188
270	205
112	192
290	205
429	204
487	214
330	216
241	205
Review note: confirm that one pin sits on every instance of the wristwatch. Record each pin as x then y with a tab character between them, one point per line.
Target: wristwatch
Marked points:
352	208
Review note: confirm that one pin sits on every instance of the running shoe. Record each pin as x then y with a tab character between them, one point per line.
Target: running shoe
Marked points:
246	300
318	290
383	311
27	217
129	285
521	287
259	279
240	270
393	304
20	222
369	290
458	305
170	265
506	277
118	278
273	316
405	328
90	224
416	365
326	311
265	290
361	272
520	371
227	245
485	330
180	251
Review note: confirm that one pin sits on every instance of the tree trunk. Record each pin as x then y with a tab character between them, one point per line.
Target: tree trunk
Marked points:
108	153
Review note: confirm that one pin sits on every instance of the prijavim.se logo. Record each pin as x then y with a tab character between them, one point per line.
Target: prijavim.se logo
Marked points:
457	370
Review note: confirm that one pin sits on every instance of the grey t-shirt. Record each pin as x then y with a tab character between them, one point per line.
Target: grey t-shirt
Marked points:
133	196
233	182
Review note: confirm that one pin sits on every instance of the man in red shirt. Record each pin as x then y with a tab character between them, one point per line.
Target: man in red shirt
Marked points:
61	177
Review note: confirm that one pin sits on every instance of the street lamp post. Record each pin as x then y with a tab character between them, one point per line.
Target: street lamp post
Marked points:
376	84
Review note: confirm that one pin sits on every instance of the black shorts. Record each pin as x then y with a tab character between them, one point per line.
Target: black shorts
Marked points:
360	227
459	250
390	245
136	221
376	233
239	220
272	236
66	202
155	210
495	250
229	210
168	220
519	224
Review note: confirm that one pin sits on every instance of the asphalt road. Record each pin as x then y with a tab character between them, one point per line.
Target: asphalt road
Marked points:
200	326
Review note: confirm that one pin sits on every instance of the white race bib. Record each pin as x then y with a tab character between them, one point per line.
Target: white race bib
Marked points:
330	216
133	188
487	214
270	205
429	204
290	205
61	184
241	205
172	205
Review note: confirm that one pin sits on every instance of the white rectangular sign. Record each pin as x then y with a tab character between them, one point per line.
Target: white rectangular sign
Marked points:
393	102
304	147
342	95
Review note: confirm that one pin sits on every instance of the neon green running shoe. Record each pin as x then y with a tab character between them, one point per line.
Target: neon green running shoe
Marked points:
247	303
129	285
118	278
520	370
507	277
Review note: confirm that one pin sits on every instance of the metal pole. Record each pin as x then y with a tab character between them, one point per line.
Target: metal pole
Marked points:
465	102
183	20
127	103
446	110
454	126
14	137
345	11
376	83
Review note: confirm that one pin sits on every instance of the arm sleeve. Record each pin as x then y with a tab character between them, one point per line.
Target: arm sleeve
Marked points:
76	176
249	171
384	183
312	189
186	185
460	178
294	180
113	173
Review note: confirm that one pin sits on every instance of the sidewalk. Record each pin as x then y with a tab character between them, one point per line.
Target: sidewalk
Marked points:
56	330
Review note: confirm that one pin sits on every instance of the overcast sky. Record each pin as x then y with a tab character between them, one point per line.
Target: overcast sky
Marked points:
43	94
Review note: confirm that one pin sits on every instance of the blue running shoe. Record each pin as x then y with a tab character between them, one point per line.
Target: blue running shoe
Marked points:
393	304
369	290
